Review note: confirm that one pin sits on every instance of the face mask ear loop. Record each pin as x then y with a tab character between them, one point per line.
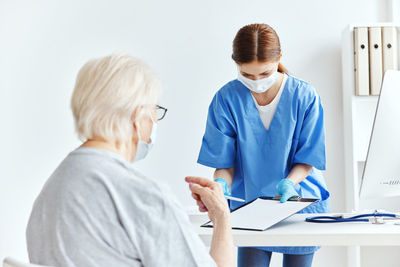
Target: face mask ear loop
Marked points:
138	131
138	128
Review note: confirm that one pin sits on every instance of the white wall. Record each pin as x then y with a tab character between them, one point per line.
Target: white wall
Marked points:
188	43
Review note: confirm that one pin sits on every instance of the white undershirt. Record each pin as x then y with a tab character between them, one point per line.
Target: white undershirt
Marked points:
267	112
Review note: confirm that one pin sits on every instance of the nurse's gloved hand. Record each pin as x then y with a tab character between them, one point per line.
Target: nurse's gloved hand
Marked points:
286	190
224	185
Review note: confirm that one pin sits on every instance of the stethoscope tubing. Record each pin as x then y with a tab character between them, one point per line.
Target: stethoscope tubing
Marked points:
356	218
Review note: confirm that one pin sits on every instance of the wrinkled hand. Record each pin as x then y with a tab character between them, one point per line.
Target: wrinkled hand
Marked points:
224	185
286	189
209	197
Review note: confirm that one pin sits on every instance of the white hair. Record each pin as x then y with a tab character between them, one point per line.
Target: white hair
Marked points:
107	92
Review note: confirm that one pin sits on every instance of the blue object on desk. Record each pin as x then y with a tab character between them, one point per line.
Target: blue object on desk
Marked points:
375	218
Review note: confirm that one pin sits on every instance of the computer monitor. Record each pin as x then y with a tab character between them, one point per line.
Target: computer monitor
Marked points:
381	176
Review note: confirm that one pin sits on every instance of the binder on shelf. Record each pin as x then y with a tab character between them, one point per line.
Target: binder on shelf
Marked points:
375	59
390	49
361	61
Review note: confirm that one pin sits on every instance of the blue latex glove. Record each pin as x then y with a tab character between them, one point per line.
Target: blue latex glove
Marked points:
286	189
225	186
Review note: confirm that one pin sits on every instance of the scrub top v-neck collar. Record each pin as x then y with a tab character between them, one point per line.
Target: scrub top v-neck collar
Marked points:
253	111
267	112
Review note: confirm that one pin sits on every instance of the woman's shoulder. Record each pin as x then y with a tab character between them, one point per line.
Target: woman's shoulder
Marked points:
94	170
230	94
139	187
231	88
301	85
301	90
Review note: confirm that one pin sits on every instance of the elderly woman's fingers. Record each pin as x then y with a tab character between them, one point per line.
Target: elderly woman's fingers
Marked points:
200	204
195	196
200	181
204	193
209	197
197	189
202	207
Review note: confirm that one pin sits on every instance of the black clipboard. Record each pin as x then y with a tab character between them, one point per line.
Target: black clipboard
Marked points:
307	201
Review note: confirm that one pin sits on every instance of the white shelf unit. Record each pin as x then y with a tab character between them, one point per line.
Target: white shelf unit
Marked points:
358	117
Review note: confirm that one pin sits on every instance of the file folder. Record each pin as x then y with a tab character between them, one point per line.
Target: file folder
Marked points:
390	48
264	212
375	59
361	61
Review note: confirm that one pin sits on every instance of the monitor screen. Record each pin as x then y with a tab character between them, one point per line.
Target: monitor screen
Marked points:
381	176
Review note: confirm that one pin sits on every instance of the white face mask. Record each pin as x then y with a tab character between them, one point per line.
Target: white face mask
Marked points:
143	148
261	85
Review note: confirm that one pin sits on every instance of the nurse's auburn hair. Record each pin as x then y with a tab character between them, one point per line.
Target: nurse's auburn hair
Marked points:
257	42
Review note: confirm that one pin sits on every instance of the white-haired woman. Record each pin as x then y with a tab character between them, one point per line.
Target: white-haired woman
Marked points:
96	209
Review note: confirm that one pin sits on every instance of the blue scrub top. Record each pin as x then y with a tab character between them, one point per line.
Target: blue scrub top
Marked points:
236	137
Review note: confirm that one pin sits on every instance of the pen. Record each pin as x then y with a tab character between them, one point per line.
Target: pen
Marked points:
234	198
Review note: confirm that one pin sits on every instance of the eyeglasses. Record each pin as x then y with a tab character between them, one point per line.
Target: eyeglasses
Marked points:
161	111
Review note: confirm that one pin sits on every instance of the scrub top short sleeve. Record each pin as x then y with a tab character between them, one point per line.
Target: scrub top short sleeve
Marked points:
218	148
311	140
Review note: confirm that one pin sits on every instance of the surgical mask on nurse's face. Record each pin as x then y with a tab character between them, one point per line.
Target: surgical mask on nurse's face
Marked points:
143	148
261	85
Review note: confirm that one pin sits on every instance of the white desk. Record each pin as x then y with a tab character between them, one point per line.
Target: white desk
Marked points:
294	231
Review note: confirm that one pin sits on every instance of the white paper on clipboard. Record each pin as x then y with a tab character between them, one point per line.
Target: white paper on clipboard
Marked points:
264	212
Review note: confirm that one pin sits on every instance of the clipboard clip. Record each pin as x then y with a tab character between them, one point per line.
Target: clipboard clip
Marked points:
293	198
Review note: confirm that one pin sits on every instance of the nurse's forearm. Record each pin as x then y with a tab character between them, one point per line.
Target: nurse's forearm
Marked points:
299	172
226	174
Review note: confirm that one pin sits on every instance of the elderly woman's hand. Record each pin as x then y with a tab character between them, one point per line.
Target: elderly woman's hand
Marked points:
209	197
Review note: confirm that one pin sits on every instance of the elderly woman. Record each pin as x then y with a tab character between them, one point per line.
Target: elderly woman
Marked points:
97	209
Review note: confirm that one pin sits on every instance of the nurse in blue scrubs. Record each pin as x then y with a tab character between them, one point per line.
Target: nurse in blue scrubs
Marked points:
265	137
